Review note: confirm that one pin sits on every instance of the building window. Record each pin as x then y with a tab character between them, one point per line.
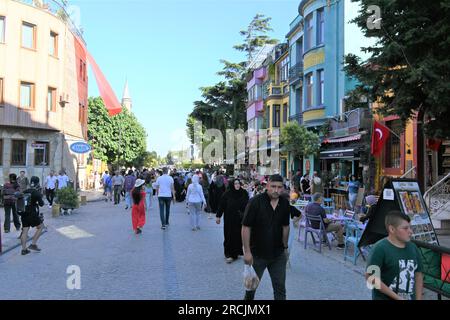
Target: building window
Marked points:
27	95
1	92
53	44
308	32
320	27
41	156
276	116
268	116
1	152
321	88
28	35
19	153
84	73
51	99
285	113
2	29
285	69
392	147
309	90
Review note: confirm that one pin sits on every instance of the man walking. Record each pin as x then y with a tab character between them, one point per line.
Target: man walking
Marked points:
166	193
265	236
117	181
50	185
9	201
63	180
130	180
23	182
31	217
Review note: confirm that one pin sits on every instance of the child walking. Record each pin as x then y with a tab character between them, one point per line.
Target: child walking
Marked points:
139	207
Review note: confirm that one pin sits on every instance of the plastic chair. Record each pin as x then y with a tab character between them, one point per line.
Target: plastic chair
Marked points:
352	236
328	205
321	232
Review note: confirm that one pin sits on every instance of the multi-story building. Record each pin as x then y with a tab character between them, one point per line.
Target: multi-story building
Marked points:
319	38
43	91
276	97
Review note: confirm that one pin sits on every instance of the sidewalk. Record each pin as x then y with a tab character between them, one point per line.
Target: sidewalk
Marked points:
10	240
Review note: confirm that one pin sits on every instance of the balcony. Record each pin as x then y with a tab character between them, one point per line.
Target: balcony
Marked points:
296	73
58	9
297	118
349	123
277	91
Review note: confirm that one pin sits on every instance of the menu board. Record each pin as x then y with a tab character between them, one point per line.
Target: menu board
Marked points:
411	203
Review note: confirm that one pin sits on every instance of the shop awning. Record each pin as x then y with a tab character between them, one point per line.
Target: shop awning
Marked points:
338	154
344	139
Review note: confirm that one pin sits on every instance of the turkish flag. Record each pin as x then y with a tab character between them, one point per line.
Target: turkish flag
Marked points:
380	134
434	144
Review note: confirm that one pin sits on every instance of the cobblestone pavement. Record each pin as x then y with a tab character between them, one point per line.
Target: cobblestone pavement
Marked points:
173	264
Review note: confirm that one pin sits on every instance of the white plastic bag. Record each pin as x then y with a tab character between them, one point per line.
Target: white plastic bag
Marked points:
251	280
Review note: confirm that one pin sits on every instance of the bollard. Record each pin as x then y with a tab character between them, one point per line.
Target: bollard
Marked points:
83	200
55	210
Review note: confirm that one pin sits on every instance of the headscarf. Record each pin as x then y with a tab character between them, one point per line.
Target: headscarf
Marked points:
219	181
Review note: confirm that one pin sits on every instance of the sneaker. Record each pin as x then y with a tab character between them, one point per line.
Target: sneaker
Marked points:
126	208
198	228
340	246
163	227
6	231
26	251
229	260
49	206
194	229
34	247
138	231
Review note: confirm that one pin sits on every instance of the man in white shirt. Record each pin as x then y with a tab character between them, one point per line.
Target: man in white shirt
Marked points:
63	180
50	186
166	193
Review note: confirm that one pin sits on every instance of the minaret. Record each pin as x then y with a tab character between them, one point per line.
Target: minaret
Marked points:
126	99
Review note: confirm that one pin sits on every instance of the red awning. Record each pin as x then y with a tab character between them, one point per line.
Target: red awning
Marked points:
344	139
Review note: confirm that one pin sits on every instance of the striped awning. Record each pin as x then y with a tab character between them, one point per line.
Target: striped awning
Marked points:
344	139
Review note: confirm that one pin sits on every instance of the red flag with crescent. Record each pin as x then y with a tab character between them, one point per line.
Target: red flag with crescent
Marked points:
380	135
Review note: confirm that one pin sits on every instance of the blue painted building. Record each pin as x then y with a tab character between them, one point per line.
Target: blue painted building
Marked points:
319	38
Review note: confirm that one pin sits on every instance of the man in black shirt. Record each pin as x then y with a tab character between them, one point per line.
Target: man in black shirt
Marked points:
31	218
265	236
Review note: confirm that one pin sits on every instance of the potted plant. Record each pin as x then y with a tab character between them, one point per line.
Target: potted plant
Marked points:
67	198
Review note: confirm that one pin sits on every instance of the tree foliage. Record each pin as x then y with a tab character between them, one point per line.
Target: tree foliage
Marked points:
120	138
298	140
408	70
223	105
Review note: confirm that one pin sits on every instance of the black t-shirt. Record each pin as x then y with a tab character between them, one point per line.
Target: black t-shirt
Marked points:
266	239
36	201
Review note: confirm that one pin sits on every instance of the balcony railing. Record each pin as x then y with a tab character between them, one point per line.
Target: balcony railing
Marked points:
297	117
57	9
296	72
347	123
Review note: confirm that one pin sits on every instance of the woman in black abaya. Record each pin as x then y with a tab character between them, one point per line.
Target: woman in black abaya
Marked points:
232	207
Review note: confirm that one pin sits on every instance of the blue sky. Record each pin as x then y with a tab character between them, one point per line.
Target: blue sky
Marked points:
169	49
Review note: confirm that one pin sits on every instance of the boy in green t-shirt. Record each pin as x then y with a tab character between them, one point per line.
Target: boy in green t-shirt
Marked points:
394	268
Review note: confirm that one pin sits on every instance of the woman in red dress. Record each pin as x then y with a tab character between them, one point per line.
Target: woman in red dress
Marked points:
138	210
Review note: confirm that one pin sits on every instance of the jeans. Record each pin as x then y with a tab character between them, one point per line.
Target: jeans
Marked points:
164	201
50	193
128	199
277	272
352	199
148	199
7	224
195	210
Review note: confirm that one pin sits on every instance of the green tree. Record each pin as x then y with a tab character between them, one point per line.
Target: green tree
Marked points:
120	138
298	140
224	104
408	70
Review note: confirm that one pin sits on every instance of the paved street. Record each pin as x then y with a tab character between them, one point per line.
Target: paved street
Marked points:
173	264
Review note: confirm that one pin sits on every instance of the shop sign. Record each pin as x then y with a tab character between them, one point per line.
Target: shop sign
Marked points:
337	154
80	147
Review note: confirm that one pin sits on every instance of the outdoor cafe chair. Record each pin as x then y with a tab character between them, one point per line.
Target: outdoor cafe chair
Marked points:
328	205
321	232
352	236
